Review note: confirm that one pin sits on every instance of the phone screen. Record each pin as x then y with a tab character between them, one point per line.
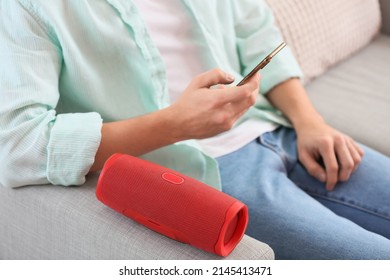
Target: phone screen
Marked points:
262	63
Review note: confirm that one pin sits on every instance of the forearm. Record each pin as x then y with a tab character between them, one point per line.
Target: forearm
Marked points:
291	99
135	136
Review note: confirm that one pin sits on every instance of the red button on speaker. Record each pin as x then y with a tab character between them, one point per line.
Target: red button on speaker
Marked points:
172	178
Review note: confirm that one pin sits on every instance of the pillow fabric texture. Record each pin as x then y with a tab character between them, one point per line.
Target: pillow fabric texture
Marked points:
322	33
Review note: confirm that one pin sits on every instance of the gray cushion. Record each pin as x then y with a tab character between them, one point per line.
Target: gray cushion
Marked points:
355	95
52	222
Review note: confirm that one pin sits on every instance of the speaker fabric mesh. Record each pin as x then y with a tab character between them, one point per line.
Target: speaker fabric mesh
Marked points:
190	212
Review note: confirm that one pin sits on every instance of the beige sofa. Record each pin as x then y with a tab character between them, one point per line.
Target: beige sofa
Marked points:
348	80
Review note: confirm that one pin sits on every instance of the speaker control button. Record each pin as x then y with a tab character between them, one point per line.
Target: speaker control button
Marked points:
172	178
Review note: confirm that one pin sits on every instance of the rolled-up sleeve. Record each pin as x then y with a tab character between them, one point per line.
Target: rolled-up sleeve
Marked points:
257	35
37	145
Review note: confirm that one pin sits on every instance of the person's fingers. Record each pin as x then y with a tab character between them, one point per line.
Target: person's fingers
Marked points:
330	162
344	157
356	153
357	147
241	105
211	78
312	166
245	93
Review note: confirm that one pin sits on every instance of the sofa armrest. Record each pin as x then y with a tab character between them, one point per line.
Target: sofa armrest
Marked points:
52	222
385	10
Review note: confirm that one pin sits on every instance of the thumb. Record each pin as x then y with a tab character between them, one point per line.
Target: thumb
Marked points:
211	78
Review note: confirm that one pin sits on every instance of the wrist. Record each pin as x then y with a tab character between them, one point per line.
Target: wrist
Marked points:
171	126
307	121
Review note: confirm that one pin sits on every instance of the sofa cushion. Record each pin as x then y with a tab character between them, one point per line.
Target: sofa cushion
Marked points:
322	33
354	96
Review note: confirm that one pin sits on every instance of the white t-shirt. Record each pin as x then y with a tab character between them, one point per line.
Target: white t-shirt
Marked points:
169	24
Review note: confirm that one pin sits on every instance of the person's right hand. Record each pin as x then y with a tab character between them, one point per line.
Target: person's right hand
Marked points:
203	112
200	112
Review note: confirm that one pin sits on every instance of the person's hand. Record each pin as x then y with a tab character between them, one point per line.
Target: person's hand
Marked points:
199	113
207	107
327	154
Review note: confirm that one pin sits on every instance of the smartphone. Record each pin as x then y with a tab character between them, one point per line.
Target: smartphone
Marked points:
262	64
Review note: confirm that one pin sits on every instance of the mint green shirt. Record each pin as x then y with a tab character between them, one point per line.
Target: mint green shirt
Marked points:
68	65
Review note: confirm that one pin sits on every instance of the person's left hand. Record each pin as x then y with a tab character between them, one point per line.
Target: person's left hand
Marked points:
327	154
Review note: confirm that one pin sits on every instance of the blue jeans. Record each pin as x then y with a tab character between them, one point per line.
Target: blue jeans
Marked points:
292	212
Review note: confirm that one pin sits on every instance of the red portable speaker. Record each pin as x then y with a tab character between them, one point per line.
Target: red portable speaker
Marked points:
172	204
